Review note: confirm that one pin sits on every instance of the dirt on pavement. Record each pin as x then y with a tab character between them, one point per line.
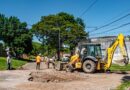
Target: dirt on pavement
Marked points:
50	79
96	81
9	79
55	77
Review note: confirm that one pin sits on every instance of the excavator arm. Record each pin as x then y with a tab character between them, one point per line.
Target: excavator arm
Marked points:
110	51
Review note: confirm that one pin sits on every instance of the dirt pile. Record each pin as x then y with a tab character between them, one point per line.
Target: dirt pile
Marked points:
54	77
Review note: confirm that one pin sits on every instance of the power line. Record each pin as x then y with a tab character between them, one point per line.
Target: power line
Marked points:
89	8
91	27
111	22
91	5
112	29
127	10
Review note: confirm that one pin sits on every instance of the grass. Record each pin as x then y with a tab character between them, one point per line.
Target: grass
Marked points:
124	85
115	67
15	63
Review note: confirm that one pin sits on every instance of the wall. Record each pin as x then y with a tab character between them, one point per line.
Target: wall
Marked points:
105	43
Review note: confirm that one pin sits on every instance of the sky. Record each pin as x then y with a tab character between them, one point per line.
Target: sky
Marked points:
101	13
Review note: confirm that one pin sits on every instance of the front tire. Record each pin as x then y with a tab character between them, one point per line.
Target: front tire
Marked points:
89	66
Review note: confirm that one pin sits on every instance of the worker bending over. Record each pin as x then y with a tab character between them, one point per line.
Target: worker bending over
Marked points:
73	60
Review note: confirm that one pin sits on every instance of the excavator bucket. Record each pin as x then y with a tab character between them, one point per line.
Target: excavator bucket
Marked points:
121	62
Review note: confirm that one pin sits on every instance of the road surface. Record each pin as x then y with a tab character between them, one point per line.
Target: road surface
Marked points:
57	80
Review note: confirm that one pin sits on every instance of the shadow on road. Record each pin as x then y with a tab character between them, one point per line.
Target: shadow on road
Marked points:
27	60
125	78
121	72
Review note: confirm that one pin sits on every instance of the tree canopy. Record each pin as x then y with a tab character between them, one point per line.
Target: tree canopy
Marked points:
15	34
71	30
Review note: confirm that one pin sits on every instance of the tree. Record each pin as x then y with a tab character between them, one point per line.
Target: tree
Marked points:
37	48
71	30
15	34
129	37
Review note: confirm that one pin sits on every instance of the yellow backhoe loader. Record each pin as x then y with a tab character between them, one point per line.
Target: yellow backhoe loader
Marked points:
91	60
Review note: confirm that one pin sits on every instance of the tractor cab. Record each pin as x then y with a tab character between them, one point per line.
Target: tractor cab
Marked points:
90	49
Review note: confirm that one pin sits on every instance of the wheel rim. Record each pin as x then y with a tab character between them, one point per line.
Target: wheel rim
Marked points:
88	66
68	69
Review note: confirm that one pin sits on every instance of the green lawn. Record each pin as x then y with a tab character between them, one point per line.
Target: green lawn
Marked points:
15	63
115	67
124	85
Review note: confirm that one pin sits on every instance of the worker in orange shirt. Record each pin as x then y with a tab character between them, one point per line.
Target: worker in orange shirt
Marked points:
38	61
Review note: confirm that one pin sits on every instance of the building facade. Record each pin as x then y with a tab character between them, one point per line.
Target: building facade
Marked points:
106	42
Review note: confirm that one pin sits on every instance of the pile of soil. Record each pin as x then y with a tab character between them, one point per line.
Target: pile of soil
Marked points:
55	77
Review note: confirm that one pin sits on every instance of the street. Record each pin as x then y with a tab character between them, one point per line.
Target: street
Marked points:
50	79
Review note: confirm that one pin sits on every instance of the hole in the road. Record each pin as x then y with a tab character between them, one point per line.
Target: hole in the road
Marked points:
54	77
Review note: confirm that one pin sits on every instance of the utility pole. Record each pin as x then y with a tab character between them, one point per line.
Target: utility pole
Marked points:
58	44
57	24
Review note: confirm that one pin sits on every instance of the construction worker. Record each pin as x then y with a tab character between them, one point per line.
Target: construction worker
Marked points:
74	58
51	61
8	59
38	61
83	51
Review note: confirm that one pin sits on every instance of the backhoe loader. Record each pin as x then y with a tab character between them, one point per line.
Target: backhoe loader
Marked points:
91	60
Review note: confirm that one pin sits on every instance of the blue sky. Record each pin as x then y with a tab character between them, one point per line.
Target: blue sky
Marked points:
103	12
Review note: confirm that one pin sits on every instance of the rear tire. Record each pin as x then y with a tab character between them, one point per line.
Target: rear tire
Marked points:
89	66
69	68
58	66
